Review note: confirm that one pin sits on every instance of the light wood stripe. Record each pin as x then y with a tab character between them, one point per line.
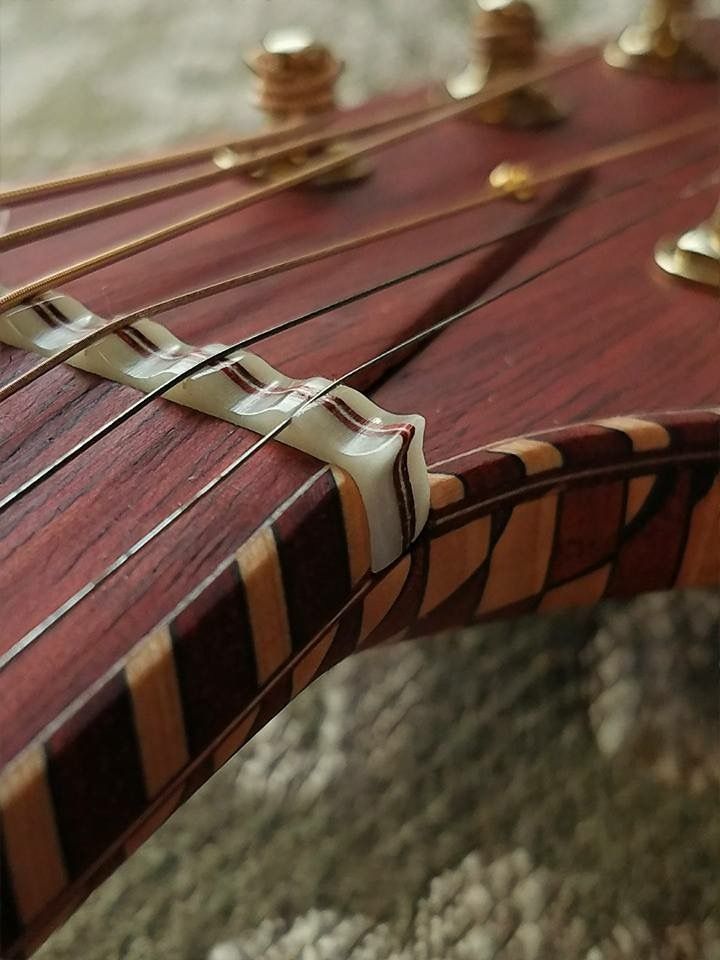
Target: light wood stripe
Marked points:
700	565
259	565
581	592
381	599
644	434
537	455
157	708
357	531
33	848
453	559
638	490
445	488
236	739
308	667
519	562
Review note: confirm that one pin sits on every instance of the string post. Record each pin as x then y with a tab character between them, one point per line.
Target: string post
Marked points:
295	81
513	180
506	36
658	44
695	254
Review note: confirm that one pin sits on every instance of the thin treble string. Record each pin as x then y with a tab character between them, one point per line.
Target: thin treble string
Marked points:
225	354
407	344
229	163
590	160
308	172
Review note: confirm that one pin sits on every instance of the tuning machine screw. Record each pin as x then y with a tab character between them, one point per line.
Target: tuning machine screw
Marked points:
695	255
295	78
505	39
658	44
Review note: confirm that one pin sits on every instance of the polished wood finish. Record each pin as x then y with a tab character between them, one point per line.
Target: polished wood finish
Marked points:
589	507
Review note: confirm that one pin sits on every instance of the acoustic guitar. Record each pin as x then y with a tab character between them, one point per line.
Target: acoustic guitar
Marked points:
362	376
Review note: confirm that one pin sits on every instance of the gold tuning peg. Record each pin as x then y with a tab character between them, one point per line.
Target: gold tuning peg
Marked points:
295	78
505	38
658	44
694	255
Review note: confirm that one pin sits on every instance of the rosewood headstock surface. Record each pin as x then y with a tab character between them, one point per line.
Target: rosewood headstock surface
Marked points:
605	368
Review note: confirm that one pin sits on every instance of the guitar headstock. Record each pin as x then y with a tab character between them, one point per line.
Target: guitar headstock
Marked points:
513	253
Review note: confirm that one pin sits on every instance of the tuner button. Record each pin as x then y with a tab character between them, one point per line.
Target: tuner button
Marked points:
505	39
295	78
694	255
513	180
657	44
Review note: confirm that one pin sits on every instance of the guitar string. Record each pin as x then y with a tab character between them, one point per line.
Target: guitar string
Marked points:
310	171
34	191
652	139
31	192
72	602
225	354
228	164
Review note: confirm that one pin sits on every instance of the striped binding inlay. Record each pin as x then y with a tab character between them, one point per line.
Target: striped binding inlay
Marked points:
566	518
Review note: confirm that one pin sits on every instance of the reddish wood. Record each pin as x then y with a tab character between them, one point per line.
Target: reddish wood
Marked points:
605	334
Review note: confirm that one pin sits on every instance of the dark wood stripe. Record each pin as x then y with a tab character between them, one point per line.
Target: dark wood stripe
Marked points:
197	776
499	519
277	697
520	608
215	659
406	608
459	607
691	430
345	640
10	925
702	478
95	774
492	473
587	445
313	554
49	313
580	541
653	543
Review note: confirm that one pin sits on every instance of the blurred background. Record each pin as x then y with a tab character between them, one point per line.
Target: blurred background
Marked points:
85	80
541	789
